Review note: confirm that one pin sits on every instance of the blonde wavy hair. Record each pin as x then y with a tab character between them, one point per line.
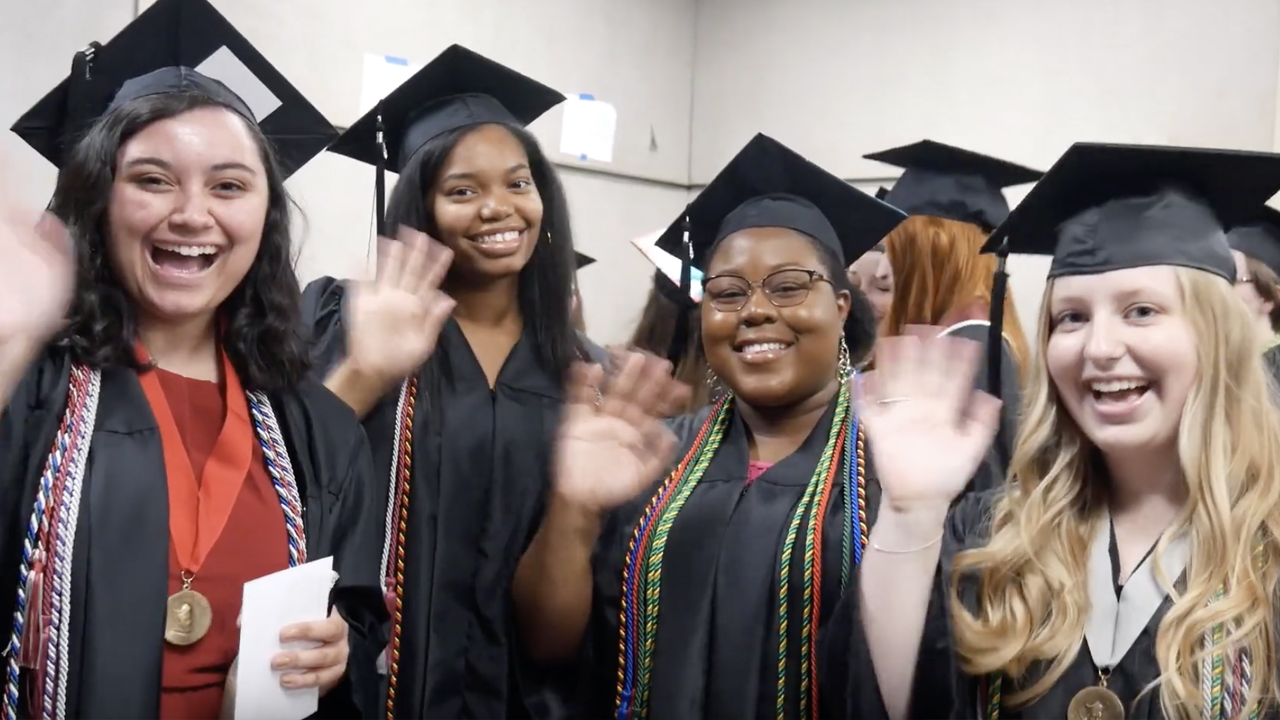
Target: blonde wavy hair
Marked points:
1032	605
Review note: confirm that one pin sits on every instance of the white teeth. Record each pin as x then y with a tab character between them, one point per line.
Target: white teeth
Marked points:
762	347
509	236
1111	386
189	250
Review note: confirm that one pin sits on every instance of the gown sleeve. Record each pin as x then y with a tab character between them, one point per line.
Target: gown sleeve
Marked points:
846	677
351	531
29	423
322	322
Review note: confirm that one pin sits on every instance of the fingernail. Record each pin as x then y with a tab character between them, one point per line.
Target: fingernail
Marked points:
282	661
291	681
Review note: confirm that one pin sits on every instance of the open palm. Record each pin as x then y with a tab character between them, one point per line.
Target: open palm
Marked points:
928	428
37	276
394	320
613	444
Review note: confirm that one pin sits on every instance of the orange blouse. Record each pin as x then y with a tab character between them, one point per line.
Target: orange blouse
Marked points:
252	544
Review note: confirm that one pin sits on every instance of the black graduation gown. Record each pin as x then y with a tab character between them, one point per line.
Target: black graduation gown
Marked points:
1271	360
481	469
716	653
849	683
120	568
1010	393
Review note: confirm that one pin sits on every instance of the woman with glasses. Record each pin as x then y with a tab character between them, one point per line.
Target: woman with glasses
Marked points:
701	594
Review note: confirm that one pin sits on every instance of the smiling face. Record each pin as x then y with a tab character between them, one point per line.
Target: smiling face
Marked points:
873	275
1122	356
771	356
186	213
486	206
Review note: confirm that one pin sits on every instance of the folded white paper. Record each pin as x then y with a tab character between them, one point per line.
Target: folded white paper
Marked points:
299	594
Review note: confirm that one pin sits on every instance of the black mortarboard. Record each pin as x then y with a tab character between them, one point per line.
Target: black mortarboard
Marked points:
177	46
949	182
769	185
457	89
1110	207
1259	238
581	260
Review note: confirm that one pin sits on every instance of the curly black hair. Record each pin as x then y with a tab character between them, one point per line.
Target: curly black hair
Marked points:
261	317
546	281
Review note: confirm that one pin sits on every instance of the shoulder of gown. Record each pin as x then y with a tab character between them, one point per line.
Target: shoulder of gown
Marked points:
29	421
592	352
322	322
337	459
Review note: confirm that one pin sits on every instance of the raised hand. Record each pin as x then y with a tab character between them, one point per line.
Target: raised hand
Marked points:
929	429
612	444
394	320
37	277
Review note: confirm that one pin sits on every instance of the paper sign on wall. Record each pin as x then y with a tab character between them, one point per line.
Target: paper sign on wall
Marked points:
668	264
587	128
382	74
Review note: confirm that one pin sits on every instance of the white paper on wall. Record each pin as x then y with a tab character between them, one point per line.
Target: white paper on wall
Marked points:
588	127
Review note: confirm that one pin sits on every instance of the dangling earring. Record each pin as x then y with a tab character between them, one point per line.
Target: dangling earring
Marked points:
548	237
844	364
715	388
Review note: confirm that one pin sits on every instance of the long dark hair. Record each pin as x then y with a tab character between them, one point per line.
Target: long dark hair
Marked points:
261	316
655	332
546	281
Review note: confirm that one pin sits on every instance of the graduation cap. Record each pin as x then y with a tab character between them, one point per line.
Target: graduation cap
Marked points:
666	276
177	46
943	181
1259	239
581	260
1111	207
458	89
769	185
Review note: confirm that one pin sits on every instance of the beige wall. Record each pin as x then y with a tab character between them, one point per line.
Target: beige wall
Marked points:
693	80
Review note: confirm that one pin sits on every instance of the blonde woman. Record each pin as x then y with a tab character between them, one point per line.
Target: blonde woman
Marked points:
1130	567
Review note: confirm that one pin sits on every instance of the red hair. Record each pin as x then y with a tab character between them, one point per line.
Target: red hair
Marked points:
941	277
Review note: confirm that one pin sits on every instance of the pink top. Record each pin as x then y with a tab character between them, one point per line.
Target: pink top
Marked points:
755	469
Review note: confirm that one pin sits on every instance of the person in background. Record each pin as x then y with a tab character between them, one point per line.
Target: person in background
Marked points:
1128	570
873	275
701	595
1256	249
460	395
955	198
658	324
160	445
579	320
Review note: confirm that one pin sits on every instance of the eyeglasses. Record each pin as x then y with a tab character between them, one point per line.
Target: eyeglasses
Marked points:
784	288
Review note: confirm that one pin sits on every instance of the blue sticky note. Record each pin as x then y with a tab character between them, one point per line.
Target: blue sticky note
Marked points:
397	61
586	96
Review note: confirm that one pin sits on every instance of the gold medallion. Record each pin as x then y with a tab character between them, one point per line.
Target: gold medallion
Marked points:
1095	703
187	618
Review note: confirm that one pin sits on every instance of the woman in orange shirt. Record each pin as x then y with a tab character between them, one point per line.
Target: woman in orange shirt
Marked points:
159	447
